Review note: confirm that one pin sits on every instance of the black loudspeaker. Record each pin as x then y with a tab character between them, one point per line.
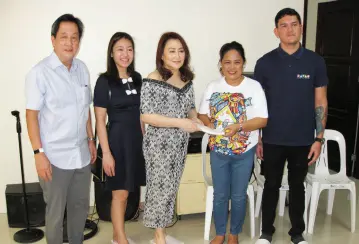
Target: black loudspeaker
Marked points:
15	205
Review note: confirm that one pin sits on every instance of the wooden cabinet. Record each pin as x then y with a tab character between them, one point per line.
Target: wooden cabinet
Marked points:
191	196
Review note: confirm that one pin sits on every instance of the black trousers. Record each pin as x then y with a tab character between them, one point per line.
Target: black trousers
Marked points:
272	168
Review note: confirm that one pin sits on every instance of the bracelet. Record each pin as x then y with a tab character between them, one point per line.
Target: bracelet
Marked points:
240	127
91	139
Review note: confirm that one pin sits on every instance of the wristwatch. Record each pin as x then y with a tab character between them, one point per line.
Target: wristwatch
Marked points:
40	150
321	140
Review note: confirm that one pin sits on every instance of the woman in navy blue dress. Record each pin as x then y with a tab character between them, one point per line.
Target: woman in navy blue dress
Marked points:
117	95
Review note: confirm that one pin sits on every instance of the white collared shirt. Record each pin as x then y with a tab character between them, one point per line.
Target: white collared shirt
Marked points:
63	99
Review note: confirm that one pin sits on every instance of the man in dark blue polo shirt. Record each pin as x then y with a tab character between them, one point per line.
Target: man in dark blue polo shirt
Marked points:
294	80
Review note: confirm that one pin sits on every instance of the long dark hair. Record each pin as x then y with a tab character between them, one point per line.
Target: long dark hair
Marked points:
185	71
111	65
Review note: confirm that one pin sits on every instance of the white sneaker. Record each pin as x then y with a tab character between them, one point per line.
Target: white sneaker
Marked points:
262	241
302	242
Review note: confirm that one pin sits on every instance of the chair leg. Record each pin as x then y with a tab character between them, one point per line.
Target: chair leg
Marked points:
306	209
258	200
250	193
353	206
209	209
282	197
331	195
313	206
260	223
308	193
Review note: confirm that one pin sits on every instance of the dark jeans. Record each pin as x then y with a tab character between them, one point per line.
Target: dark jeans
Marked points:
273	165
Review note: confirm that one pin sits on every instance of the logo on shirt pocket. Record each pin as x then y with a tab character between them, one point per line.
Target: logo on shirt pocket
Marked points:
303	76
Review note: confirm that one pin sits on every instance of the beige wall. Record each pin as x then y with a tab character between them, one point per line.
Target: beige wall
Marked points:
312	22
205	24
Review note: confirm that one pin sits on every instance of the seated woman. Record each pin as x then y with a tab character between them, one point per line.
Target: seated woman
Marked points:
237	105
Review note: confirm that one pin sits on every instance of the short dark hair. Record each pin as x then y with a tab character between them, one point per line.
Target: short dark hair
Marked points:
232	46
284	12
67	18
186	73
112	70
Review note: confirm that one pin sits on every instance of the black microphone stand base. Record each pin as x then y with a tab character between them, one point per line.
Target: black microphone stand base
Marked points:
28	235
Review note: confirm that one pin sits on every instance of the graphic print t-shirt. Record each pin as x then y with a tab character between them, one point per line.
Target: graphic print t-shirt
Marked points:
225	105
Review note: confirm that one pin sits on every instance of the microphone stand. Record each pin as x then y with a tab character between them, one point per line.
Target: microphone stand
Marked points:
28	235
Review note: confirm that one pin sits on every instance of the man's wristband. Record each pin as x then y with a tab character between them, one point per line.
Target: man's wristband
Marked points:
91	138
40	150
321	140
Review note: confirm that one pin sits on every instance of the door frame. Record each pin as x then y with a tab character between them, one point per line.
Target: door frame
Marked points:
304	38
305	16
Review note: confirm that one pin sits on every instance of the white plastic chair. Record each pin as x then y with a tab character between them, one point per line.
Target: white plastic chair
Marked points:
209	198
322	180
282	193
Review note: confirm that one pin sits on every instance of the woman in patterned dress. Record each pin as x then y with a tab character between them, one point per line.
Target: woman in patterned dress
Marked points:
168	107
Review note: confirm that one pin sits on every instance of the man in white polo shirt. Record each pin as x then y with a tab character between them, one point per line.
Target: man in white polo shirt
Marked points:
58	98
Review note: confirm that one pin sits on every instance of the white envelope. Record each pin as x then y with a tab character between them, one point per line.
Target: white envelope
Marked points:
205	129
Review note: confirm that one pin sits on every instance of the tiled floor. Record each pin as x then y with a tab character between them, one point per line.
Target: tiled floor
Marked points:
328	229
